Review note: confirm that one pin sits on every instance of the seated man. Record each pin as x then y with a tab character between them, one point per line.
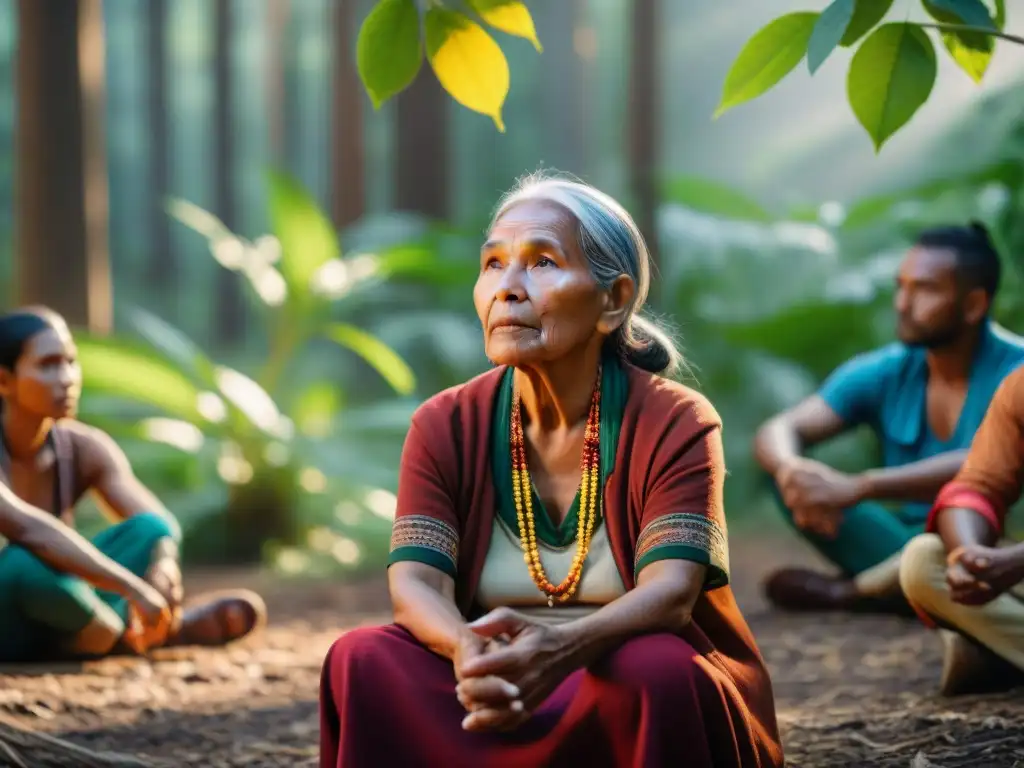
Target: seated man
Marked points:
956	576
923	397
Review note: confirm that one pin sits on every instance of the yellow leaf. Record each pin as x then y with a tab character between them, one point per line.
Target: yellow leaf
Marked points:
510	16
468	63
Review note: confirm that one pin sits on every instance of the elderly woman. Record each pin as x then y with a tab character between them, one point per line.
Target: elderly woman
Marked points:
559	566
61	595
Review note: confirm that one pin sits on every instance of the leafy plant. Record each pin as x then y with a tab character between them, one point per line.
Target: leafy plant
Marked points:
282	435
893	71
466	60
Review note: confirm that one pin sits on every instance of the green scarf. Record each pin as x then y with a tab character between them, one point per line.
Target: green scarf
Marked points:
614	390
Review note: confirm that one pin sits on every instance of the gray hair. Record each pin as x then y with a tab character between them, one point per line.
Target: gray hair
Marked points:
613	246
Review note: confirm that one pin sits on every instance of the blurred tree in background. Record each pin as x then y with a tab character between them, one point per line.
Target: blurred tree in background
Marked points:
274	331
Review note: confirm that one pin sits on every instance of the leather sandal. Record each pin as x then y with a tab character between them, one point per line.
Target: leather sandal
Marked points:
220	618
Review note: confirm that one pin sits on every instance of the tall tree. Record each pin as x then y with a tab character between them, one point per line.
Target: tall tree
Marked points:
563	86
162	269
348	170
644	99
278	15
421	157
229	309
62	208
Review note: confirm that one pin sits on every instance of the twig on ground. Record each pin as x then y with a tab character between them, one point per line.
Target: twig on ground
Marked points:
40	750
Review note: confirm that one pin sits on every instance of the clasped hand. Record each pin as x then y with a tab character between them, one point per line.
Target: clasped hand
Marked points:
977	575
506	666
816	494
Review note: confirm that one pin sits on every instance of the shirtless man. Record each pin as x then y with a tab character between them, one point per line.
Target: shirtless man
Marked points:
923	397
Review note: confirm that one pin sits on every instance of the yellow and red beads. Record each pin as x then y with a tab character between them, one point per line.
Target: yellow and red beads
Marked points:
590	470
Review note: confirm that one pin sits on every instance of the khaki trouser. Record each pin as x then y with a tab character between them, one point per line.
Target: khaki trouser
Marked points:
999	625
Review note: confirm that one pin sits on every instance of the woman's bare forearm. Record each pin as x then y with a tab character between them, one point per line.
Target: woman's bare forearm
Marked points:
661	602
423	602
61	547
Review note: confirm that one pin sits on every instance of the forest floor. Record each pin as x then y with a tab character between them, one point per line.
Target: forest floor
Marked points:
851	691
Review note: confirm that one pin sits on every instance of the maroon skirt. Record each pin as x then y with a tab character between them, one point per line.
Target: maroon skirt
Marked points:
385	700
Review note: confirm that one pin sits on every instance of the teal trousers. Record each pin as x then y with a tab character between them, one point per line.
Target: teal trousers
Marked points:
869	534
41	609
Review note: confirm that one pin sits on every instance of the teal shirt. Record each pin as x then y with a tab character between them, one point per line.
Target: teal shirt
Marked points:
885	389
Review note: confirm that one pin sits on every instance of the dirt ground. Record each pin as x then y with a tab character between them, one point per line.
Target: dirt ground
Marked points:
851	691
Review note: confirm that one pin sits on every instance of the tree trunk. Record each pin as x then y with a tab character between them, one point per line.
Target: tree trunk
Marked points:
348	171
229	309
644	118
563	88
62	209
162	269
421	157
278	14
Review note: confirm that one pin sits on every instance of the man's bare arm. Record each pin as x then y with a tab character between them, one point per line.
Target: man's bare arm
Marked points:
917	481
788	434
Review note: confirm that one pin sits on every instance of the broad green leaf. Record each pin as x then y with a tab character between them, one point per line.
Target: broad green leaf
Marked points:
252	401
117	367
891	76
173	343
379	355
468	63
972	51
828	32
866	16
970	12
307	237
706	196
770	55
510	16
388	51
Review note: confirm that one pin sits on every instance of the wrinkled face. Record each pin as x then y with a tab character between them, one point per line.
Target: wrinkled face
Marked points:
536	297
47	380
929	299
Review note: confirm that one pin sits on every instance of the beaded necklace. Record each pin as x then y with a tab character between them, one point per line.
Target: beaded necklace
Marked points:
522	491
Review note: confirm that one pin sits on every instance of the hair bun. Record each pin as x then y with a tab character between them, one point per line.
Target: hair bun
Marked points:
979	228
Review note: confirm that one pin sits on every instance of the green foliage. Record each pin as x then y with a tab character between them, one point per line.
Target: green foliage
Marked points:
389	52
767	58
891	76
769	302
828	32
306	236
378	354
267	433
971	50
712	197
867	15
893	70
971	12
466	60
